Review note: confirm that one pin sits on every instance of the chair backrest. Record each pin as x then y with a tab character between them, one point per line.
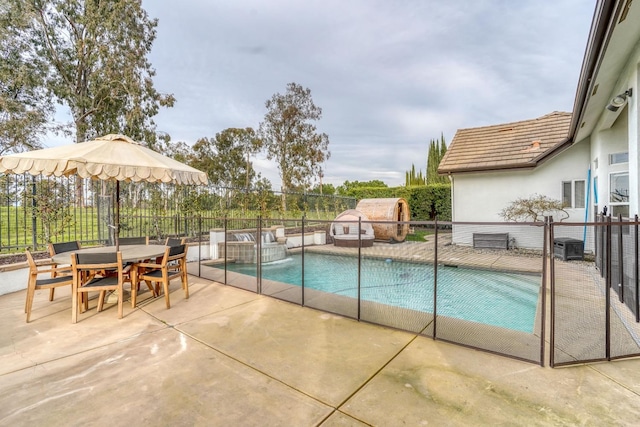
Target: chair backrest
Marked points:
177	250
58	248
143	240
173	253
97	261
175	241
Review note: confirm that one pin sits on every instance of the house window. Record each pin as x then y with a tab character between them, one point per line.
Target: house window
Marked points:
579	194
619	193
566	194
573	194
617	158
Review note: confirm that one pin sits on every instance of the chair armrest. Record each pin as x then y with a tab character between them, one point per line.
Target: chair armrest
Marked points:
54	269
148	265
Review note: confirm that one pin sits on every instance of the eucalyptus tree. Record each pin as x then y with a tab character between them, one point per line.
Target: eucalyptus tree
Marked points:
290	136
96	52
25	106
226	158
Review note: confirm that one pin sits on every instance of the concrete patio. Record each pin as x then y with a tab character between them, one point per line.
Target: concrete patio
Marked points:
228	357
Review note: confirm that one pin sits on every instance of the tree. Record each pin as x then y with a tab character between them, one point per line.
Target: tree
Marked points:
227	157
534	208
25	106
290	137
179	151
411	178
326	189
436	152
347	187
96	52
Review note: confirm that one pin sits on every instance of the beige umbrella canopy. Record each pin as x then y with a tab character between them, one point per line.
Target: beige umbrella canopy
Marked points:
108	158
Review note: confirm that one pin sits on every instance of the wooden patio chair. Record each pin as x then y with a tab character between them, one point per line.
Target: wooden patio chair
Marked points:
62	277
172	265
88	277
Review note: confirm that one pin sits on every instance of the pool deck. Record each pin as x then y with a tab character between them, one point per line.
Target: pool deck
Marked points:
228	357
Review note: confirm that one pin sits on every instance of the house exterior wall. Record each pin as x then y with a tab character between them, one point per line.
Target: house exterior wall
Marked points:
615	133
604	143
480	197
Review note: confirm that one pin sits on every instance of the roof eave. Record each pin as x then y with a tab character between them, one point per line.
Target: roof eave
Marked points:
598	36
471	169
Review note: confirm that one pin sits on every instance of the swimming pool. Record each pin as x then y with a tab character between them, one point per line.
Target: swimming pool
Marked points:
507	300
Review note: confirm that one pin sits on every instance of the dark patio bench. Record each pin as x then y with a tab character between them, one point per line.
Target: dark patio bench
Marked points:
491	240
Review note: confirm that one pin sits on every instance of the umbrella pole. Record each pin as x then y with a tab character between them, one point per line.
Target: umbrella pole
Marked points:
117	216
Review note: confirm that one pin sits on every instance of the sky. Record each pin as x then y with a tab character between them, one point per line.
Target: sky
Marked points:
389	75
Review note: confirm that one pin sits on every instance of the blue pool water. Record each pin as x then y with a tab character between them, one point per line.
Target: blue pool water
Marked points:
501	299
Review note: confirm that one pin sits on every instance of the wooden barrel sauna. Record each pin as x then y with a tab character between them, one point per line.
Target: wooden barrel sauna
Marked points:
387	210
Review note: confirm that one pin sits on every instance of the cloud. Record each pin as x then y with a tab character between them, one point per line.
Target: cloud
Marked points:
389	76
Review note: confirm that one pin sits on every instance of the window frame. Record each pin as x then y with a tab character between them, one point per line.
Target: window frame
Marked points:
616	206
621	153
572	199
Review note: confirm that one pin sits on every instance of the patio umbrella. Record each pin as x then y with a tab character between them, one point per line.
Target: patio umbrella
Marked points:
108	158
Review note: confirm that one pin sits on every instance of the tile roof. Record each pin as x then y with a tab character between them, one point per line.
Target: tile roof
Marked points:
507	146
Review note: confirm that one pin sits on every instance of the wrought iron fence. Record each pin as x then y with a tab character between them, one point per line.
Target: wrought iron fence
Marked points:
35	210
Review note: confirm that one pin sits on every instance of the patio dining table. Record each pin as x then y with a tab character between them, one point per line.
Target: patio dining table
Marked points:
130	254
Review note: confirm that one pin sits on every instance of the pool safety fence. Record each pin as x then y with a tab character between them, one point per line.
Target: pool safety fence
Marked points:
595	312
433	283
452	281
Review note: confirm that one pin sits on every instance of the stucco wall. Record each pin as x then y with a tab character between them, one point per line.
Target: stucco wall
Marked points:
603	143
619	132
480	197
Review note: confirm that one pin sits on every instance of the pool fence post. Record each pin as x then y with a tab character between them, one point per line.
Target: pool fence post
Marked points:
637	270
435	276
302	260
225	249
200	245
552	276
259	254
545	251
620	261
607	295
359	261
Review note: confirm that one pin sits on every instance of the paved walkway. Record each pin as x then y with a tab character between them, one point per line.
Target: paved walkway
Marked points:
227	357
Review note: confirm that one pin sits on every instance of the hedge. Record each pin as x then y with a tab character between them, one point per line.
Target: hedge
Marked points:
426	202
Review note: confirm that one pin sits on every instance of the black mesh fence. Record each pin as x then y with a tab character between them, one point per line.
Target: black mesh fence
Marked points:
490	288
481	285
463	283
594	289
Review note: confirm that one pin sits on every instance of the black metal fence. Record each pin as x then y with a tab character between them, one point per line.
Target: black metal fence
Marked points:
35	210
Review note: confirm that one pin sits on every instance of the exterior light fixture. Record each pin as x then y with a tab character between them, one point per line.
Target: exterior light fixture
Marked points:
619	100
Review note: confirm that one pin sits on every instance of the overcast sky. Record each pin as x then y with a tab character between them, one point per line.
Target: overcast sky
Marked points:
389	75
